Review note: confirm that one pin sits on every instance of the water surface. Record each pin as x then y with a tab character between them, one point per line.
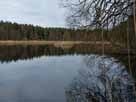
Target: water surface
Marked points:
43	78
52	74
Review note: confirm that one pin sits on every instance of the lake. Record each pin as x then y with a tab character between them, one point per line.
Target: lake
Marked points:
55	74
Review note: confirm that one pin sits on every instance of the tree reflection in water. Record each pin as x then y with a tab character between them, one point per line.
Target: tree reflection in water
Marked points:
102	79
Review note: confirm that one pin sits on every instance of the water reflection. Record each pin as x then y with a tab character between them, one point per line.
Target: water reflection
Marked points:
41	74
39	80
17	52
102	79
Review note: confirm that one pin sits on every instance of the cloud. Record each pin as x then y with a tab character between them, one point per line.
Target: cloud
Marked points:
37	12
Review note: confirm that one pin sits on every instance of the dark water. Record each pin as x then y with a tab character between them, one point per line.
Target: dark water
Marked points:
53	74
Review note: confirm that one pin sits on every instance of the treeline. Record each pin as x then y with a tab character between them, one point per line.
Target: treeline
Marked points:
14	31
118	34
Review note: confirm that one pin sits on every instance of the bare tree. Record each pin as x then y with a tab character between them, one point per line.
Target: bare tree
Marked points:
96	13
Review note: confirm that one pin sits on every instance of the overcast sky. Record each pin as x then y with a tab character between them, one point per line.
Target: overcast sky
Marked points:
47	13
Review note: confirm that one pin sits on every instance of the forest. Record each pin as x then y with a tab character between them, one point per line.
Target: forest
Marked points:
14	31
21	32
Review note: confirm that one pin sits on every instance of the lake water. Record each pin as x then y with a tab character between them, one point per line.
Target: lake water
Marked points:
52	74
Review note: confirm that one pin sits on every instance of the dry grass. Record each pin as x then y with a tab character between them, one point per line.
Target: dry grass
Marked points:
56	43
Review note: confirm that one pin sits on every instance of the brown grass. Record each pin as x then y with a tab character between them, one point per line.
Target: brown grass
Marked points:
56	43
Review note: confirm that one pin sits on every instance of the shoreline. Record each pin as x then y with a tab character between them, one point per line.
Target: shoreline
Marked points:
108	46
42	42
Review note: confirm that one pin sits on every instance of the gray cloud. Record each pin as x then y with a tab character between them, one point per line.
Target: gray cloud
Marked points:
37	12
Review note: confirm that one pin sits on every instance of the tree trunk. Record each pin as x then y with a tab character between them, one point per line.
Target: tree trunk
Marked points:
131	30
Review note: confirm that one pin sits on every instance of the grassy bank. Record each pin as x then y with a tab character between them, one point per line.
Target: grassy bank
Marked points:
37	42
97	46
